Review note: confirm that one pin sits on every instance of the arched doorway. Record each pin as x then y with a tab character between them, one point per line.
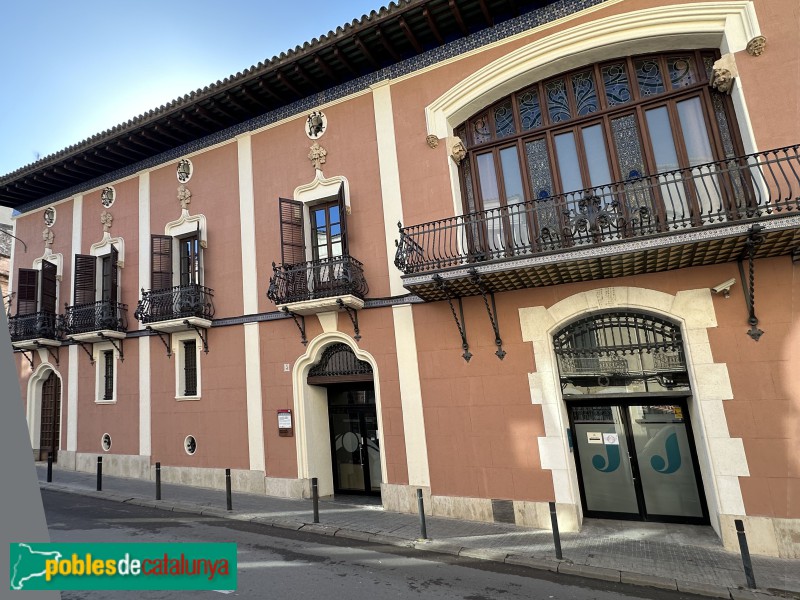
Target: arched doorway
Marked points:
353	420
50	420
625	381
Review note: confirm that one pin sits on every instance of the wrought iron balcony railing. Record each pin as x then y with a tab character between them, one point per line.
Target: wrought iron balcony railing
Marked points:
324	278
179	302
764	184
33	326
95	316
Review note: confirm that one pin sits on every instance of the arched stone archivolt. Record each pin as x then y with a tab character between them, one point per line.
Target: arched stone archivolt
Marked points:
722	459
312	433
34	399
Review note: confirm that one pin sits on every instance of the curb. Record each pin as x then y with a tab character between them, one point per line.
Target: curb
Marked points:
565	567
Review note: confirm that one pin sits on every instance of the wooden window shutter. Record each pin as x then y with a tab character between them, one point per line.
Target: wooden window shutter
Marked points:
85	281
114	287
343	219
27	291
49	283
293	243
160	262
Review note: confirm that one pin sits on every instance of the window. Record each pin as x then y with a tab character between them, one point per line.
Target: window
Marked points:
36	303
562	142
187	365
96	294
189	260
190	368
328	231
108	377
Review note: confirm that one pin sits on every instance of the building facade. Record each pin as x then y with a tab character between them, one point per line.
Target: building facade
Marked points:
505	253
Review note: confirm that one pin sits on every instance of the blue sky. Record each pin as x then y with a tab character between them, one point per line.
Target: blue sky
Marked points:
73	69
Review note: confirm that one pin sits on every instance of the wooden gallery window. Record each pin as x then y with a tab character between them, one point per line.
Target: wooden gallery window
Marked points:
573	136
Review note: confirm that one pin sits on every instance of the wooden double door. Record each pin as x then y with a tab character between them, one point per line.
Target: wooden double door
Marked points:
50	433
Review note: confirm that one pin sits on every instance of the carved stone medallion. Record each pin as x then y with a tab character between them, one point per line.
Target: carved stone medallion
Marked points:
316	124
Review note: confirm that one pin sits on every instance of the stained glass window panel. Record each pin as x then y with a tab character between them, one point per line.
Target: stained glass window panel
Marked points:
530	110
557	101
504	119
585	93
480	129
681	71
617	86
539	169
648	76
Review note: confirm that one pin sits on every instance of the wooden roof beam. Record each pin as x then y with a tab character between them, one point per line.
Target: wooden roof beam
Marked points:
37	188
61	173
457	15
110	148
106	162
75	168
183	117
141	144
303	74
206	115
389	48
161	130
252	99
324	67
365	51
343	59
264	88
285	81
128	147
410	35
486	14
229	97
432	25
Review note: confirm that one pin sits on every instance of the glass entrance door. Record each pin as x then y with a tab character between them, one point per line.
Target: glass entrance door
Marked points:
355	443
637	462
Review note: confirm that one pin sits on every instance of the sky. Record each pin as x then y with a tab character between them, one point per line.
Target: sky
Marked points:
71	69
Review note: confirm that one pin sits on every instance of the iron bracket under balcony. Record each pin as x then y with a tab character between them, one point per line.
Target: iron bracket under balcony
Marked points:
317	286
177	308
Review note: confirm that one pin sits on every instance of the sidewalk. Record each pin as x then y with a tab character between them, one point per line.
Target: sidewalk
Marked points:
690	559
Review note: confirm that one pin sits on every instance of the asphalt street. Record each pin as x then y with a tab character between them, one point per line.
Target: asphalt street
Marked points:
283	564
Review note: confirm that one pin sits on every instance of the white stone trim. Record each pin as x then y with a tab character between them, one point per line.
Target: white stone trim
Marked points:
411	397
72	399
187	224
58	260
103	248
392	202
34	404
721	458
144	247
255	411
312	432
178	338
145	443
247	220
98	351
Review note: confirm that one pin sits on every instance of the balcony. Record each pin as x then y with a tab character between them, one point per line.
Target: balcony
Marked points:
686	217
172	309
318	285
34	330
95	321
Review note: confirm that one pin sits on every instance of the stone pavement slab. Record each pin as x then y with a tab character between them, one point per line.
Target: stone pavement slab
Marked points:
667	556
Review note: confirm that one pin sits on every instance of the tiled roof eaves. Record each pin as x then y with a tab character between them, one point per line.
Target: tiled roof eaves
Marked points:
536	18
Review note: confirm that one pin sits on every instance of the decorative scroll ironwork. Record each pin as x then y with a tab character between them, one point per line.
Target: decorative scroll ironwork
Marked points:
95	316
754	238
462	327
491	311
324	278
113	341
749	187
41	324
353	314
167	342
179	302
87	348
339	360
54	353
25	354
301	324
201	333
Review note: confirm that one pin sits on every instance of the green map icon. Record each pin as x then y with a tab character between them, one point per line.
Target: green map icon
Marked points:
27	563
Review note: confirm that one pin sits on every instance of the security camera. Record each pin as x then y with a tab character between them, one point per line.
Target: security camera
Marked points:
724	288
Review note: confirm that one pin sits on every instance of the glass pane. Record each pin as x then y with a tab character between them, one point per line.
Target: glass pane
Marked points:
673	195
585	93
480	129
605	469
568	166
698	148
373	451
346	433
530	111
491	200
595	145
336	249
333	213
557	101
736	176
319	218
512	179
638	199
665	461
648	75
615	79
504	119
681	71
542	188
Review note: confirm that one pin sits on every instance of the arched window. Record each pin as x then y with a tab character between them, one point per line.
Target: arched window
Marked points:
582	149
621	352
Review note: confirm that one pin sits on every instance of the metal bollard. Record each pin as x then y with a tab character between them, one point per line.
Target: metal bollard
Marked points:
315	498
228	489
158	481
423	530
99	473
49	467
748	564
556	536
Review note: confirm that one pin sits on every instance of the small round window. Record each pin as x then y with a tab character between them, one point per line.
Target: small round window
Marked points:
189	444
105	442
